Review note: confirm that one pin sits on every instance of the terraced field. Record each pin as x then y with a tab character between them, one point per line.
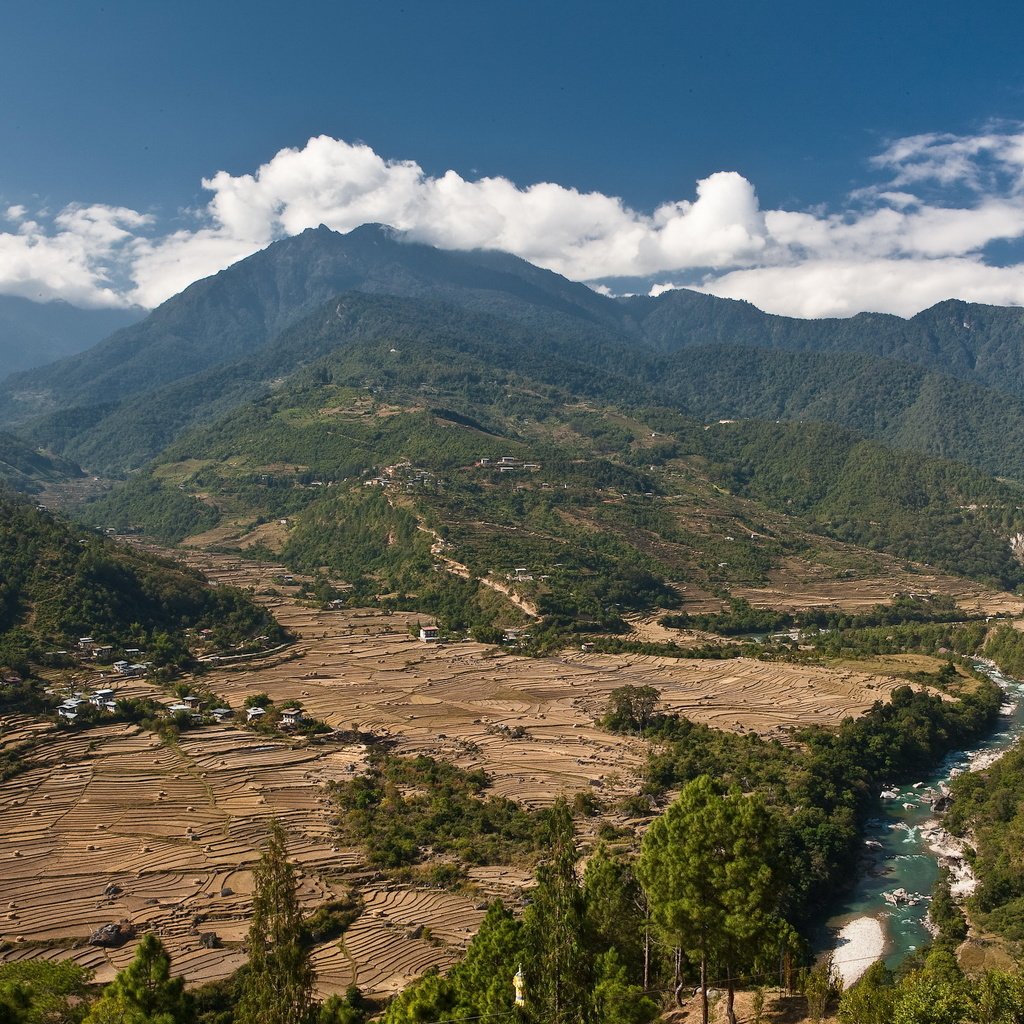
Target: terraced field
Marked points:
461	700
113	825
400	935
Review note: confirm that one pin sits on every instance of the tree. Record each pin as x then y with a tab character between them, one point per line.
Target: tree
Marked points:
559	969
277	987
144	992
870	1000
821	984
708	867
351	1008
615	999
617	912
630	708
43	991
935	994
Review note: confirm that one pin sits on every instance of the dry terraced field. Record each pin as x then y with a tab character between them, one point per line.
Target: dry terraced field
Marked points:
111	824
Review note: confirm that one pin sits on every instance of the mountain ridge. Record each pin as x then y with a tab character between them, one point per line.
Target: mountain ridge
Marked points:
37	333
121	402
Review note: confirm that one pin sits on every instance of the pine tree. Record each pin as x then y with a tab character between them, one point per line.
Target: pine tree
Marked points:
617	912
706	865
278	982
144	992
560	965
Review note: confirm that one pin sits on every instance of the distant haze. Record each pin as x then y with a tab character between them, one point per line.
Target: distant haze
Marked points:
35	333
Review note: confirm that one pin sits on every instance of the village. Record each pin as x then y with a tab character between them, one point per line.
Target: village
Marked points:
128	679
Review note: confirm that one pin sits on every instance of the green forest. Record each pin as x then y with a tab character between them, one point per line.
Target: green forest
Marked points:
62	582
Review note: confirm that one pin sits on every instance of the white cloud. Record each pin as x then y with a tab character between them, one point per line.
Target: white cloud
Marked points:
838	287
75	259
900	244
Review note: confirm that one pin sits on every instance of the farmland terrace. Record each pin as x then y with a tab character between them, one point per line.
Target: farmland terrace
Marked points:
114	824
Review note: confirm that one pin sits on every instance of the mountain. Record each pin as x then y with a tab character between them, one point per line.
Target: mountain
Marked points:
227	317
36	333
118	436
948	382
984	344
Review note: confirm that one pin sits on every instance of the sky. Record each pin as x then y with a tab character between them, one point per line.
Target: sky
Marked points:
815	159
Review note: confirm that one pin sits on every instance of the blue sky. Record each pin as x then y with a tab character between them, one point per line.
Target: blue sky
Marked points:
792	117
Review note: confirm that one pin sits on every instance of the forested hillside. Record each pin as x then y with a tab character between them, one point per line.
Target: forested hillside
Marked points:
25	469
60	582
386	441
965	339
947	382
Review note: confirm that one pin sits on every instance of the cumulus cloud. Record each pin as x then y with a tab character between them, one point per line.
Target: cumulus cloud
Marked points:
918	235
75	257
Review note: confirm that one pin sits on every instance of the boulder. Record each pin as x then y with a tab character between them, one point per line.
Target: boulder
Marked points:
113	935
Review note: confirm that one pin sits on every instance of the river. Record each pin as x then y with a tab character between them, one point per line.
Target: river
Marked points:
869	925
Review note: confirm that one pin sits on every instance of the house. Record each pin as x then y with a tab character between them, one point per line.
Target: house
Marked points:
101	697
254	714
429	633
121	666
190	701
86	643
175	708
222	714
291	717
69	709
101	652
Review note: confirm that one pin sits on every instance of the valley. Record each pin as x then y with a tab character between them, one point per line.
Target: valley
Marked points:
117	825
664	553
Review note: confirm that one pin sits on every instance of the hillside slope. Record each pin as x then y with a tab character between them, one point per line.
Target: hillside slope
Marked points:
60	582
379	459
36	333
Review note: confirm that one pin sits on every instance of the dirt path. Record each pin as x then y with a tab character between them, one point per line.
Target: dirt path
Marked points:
437	549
